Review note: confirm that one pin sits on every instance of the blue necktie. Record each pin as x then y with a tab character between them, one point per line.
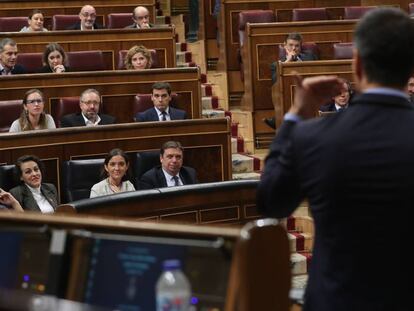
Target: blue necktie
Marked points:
176	181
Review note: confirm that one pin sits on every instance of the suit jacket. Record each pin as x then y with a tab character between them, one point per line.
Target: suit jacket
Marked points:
356	170
303	56
24	196
155	178
135	26
152	115
77	26
18	70
76	119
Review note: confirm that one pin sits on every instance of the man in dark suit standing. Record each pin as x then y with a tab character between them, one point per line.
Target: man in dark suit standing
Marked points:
8	57
161	98
356	170
171	172
87	17
141	18
90	101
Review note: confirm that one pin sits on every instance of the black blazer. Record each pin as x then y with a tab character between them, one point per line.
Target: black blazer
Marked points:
152	115
77	26
24	196
356	169
76	119
155	178
18	70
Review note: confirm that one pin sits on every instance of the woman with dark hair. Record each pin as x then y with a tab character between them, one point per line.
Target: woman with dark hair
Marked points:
115	171
32	194
35	22
54	59
33	116
138	58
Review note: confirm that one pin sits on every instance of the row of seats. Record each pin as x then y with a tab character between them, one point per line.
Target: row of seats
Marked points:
62	22
79	60
78	176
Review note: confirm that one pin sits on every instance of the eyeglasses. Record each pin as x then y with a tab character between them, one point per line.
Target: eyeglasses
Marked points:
90	103
86	14
142	17
163	96
34	101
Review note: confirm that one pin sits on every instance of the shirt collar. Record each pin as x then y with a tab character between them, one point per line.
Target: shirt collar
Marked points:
3	69
159	112
89	123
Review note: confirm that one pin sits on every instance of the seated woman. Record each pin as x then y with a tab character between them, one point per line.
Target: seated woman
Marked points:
35	22
138	58
32	194
115	170
54	58
33	116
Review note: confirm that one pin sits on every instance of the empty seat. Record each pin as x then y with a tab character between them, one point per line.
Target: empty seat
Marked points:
122	55
356	12
253	16
64	106
85	61
9	111
119	20
78	178
7	177
11	24
343	50
62	22
309	14
144	162
32	62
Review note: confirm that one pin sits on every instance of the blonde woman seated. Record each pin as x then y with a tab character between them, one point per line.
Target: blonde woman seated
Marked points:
33	116
116	167
35	22
138	58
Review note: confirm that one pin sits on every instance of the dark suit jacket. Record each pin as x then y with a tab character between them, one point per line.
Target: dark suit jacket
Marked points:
152	115
303	56
356	169
77	26
76	119
18	70
135	26
26	200
155	178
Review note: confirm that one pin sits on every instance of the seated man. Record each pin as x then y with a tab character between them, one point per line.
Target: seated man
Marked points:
141	18
89	102
171	172
8	56
161	97
339	102
87	17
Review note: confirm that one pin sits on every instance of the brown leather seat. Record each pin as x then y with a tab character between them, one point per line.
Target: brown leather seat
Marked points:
119	20
10	24
356	12
309	14
62	22
86	61
64	106
32	62
122	55
343	50
9	111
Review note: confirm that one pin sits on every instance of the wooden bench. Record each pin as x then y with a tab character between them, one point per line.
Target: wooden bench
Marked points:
109	41
283	90
206	142
118	88
220	202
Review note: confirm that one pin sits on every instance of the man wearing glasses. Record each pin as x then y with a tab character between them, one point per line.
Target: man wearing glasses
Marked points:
87	17
141	18
161	98
90	100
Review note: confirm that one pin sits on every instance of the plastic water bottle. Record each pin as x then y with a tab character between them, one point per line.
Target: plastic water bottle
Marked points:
173	290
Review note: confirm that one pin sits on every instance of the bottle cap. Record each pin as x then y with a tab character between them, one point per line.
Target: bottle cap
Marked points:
171	264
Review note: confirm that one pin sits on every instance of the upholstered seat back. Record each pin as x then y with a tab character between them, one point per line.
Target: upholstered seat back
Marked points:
123	53
64	106
9	111
356	12
62	22
79	176
309	14
12	24
253	16
32	62
119	20
7	177
144	162
343	50
86	61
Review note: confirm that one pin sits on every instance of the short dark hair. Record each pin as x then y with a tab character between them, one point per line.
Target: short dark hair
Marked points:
161	86
115	152
24	159
35	11
51	47
294	36
384	39
171	144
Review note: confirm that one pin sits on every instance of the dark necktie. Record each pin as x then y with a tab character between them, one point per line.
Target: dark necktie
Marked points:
164	116
176	181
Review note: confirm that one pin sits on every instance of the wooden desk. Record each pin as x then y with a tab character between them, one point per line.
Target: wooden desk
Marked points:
109	41
283	90
117	87
206	142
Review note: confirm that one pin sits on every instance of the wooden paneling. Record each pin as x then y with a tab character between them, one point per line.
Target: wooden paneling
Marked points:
206	143
118	88
107	40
